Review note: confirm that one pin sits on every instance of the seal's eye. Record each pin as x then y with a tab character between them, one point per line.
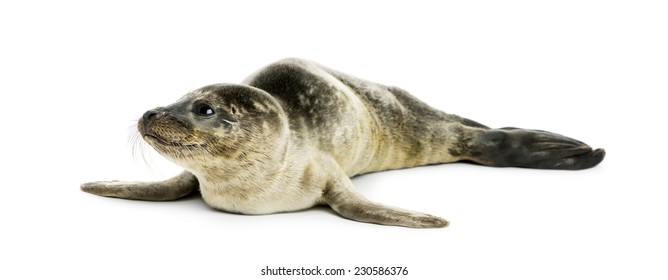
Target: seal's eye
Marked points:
204	110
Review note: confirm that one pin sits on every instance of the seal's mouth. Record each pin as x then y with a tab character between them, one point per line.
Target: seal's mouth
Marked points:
156	138
165	142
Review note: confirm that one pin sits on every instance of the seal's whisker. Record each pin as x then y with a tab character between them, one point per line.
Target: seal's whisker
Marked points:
138	145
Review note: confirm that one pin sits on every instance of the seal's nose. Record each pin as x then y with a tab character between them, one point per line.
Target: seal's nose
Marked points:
148	116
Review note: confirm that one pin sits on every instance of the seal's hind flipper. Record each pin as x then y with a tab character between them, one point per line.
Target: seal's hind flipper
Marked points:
528	148
170	189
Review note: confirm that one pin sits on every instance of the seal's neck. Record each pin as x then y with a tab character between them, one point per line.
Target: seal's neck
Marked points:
255	168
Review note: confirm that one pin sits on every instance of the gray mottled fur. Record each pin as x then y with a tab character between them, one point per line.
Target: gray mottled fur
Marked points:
293	134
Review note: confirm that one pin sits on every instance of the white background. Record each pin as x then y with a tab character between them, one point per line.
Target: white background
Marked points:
76	75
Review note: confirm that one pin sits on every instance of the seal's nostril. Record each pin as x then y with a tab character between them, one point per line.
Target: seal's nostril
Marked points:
149	114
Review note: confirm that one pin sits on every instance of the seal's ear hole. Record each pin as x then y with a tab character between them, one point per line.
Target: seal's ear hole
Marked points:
233	109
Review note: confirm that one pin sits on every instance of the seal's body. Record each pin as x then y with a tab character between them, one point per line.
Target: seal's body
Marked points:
293	133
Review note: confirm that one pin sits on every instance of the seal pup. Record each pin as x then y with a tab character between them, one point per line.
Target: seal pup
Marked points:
291	135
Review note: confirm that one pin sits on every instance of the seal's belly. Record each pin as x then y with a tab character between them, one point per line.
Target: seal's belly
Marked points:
249	200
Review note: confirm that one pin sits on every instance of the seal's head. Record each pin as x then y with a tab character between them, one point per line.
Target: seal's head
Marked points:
215	125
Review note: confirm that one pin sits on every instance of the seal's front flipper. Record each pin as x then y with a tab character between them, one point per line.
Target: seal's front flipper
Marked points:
343	199
532	149
170	189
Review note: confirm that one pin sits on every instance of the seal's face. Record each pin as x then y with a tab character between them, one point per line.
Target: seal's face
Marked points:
214	123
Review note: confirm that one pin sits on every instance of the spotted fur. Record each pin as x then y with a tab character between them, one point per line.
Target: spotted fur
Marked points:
292	134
